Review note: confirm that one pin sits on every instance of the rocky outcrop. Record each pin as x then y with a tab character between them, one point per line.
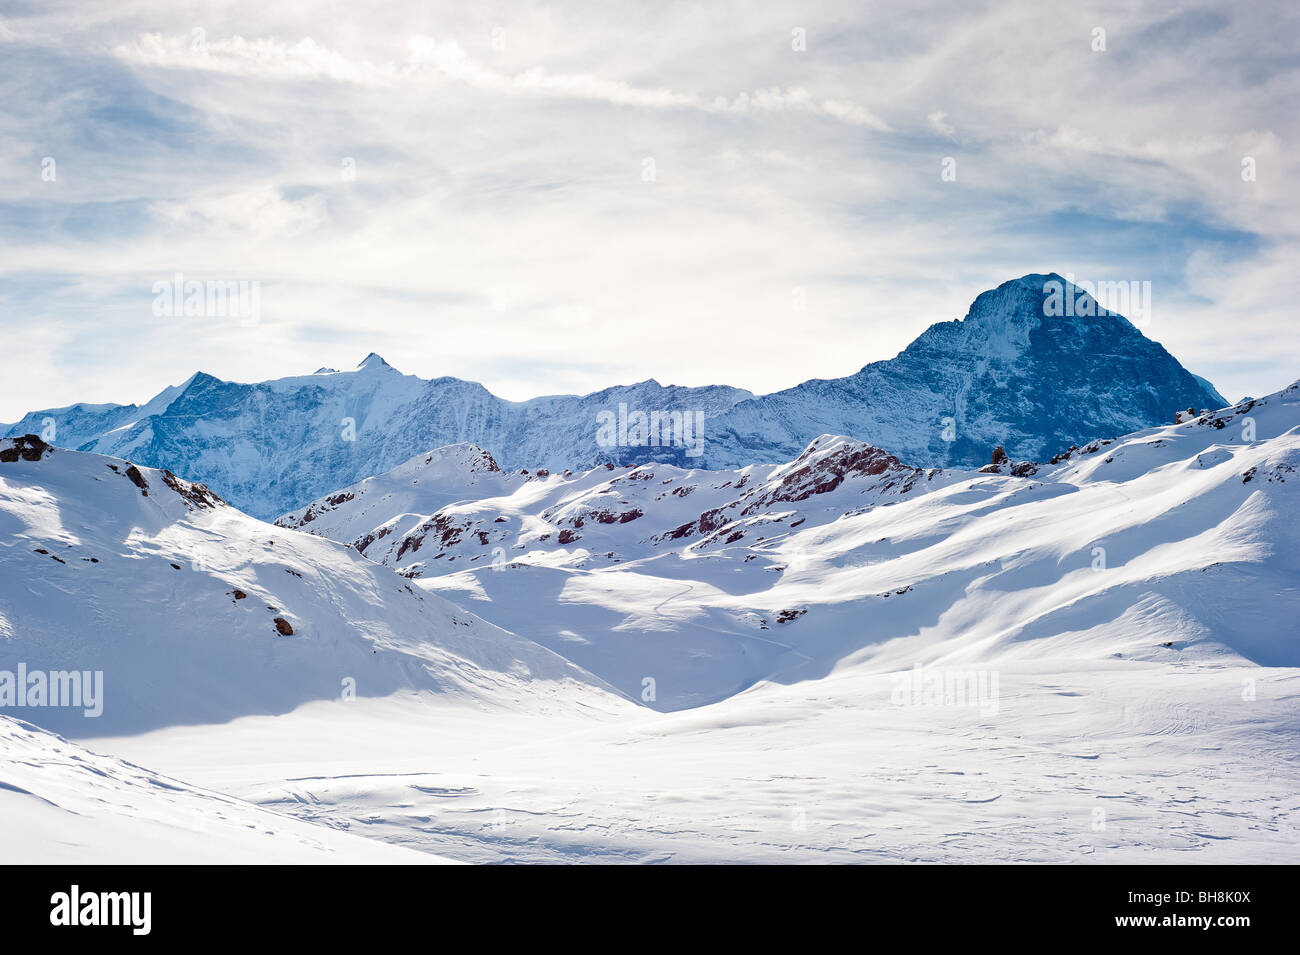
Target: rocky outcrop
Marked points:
194	495
27	447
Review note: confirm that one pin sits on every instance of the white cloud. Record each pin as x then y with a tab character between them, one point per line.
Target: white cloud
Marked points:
520	168
261	212
305	58
939	121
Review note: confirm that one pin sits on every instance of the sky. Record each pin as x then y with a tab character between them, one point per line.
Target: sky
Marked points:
557	197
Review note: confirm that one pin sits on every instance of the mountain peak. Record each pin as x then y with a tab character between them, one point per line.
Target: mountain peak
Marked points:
1017	306
200	379
373	361
1035	280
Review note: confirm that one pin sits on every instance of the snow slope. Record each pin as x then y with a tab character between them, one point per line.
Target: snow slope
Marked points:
1006	374
1145	706
61	804
393	503
1140	704
710	581
1112	761
196	613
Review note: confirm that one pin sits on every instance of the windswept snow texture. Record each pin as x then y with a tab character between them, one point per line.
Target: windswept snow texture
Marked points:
1007	374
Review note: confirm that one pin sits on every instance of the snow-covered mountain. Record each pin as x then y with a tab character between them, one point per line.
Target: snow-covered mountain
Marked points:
396	501
1008	374
190	611
1091	658
713	580
1013	373
272	446
1111	634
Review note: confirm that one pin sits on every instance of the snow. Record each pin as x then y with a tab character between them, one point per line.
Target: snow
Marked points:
95	575
1124	619
822	771
63	804
988	560
400	499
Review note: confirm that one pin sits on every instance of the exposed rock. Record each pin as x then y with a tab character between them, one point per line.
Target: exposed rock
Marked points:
611	517
827	472
449	534
27	447
197	495
136	478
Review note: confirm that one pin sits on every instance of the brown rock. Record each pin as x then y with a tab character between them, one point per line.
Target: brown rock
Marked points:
28	447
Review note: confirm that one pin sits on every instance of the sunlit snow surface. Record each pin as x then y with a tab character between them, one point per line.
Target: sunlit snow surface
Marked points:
1135	604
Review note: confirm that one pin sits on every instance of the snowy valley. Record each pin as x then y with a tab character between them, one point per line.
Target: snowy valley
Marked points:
841	657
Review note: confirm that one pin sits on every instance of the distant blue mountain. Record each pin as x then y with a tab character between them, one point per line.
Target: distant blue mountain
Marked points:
1007	374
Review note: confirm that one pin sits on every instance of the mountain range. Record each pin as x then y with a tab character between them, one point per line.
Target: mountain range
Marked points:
714	579
840	657
1010	373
